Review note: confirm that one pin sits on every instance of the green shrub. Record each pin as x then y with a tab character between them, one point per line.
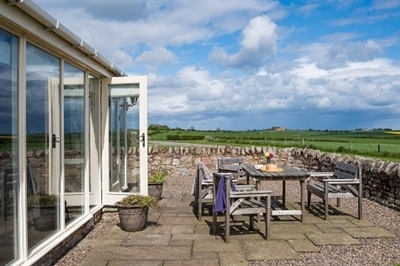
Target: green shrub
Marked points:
42	200
158	176
139	200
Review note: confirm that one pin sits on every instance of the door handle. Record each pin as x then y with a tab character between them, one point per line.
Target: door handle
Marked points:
53	141
142	139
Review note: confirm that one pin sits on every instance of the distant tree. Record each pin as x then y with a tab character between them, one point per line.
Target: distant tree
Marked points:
192	128
218	129
158	127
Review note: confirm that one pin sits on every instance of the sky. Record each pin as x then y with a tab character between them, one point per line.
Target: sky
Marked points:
248	64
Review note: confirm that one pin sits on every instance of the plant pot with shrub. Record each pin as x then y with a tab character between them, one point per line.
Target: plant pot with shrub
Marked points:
133	211
44	209
156	182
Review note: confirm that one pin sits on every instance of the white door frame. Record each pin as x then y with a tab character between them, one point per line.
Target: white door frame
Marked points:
109	198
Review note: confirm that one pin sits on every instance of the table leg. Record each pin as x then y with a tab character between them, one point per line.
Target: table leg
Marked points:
302	194
284	193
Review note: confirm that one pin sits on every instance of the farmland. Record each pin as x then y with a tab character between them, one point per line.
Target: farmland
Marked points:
375	144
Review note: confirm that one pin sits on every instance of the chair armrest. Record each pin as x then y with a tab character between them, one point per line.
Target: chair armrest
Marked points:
254	193
240	188
320	174
341	181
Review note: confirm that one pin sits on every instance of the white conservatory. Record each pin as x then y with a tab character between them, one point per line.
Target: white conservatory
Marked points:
68	116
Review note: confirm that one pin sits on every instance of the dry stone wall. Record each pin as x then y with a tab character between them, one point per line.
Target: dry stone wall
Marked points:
381	179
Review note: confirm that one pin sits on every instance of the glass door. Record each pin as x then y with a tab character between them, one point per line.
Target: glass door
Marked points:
43	131
127	138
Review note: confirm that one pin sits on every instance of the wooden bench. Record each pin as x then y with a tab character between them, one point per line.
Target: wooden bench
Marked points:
344	182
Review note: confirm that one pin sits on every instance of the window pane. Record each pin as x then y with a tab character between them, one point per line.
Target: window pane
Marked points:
43	151
94	142
74	140
9	175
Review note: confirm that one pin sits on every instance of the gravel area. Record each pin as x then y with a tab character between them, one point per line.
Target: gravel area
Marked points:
78	253
381	251
376	251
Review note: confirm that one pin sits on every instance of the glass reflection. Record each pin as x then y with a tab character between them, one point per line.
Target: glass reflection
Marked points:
94	141
124	134
42	141
9	175
74	141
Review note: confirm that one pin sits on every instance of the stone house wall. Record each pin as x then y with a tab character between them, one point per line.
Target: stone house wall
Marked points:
381	179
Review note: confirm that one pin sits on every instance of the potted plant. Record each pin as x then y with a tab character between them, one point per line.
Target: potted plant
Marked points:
133	211
44	211
156	182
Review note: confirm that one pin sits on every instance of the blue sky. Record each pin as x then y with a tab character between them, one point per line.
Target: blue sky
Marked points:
238	65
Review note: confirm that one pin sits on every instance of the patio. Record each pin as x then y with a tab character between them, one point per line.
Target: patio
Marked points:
175	237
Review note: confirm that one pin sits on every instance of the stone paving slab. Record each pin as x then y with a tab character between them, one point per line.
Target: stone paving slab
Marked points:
175	237
217	245
181	242
203	229
116	233
331	230
94	261
363	222
100	242
311	219
287	228
268	250
286	236
368	232
173	220
320	239
232	259
205	256
173	229
136	263
140	253
336	224
147	240
302	245
192	263
193	237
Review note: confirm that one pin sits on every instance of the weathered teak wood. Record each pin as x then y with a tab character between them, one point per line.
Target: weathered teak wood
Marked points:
289	174
202	192
244	201
233	165
344	182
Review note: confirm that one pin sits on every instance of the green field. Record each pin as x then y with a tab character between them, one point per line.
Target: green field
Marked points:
375	144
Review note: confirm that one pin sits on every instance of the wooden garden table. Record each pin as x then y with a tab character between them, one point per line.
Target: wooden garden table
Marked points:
288	174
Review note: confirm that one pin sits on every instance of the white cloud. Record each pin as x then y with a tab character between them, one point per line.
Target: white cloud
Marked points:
156	56
258	44
324	102
307	9
273	63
